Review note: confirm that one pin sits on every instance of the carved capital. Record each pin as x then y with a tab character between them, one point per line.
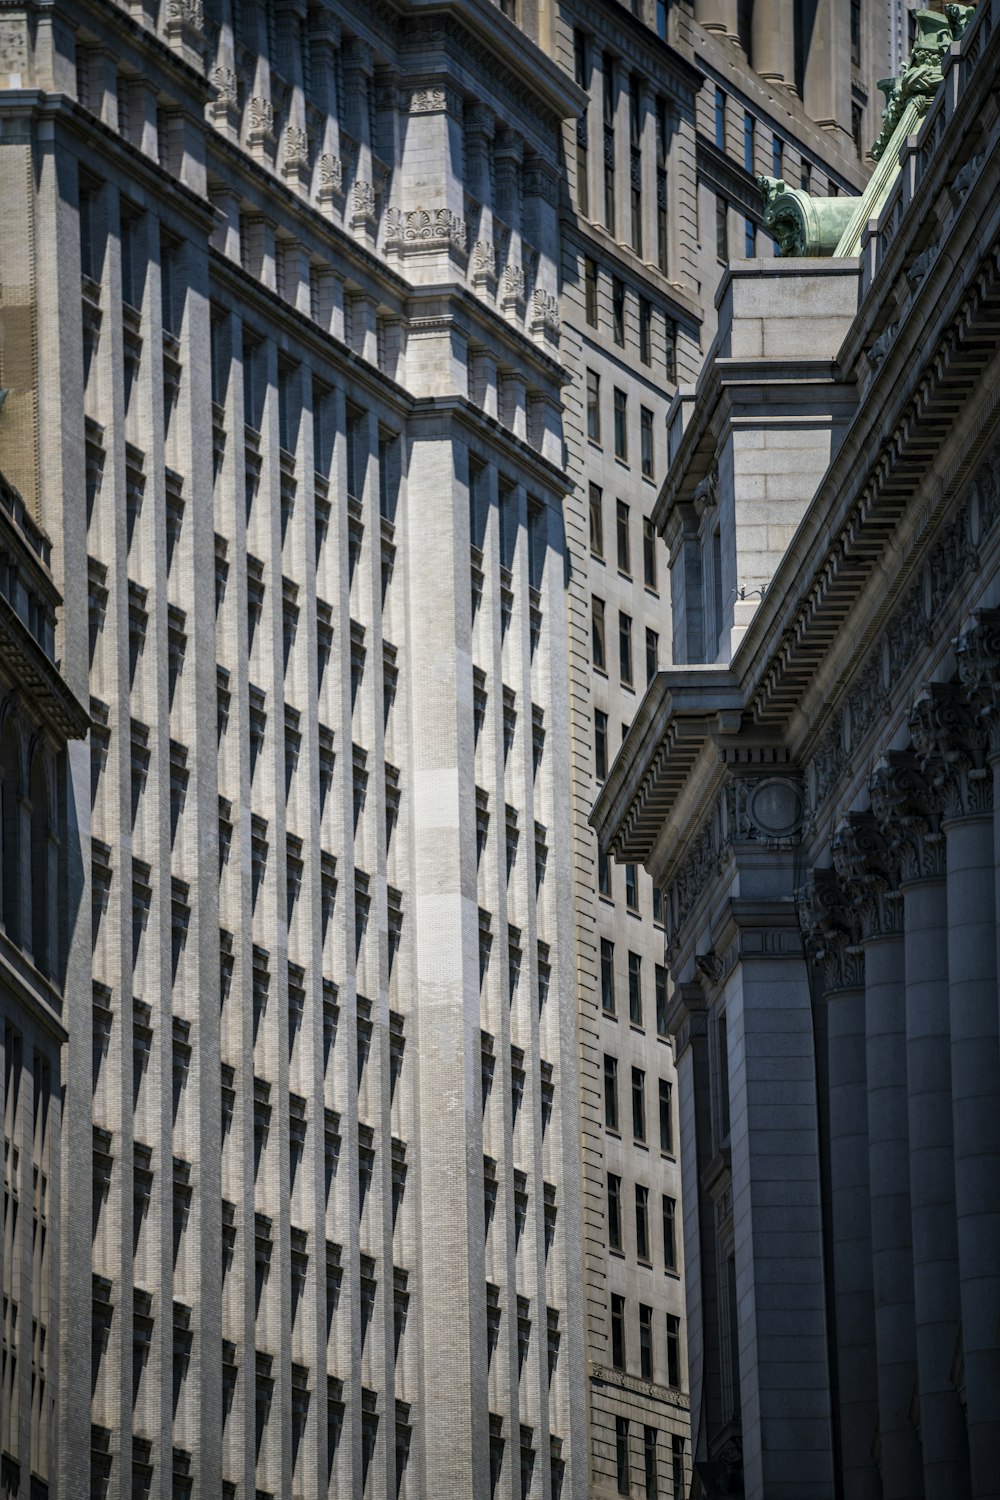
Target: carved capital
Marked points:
908	808
358	57
977	650
868	874
951	746
830	931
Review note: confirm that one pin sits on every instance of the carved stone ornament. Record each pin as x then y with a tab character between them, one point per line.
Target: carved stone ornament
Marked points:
434	100
803	225
408	230
977	651
513	282
485	262
920	267
878	350
868	875
951	746
831	931
331	174
185	13
363	200
260	113
296	148
545	311
706	491
921	77
540	182
908	808
226	85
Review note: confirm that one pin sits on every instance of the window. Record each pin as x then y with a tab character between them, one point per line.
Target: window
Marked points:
666	1118
677	1443
857	117
748	142
645	330
669	1232
617	1330
856	33
621	429
646	441
590	290
652	654
618	311
609	143
621	1453
648	553
89	195
673	1352
603	868
596	521
661	185
625	648
645	1341
635	161
721	228
722	1077
720	119
600	744
607	976
642	1222
635	988
749	238
661	1000
600	655
610	1092
777	156
661	19
670	352
615	1218
624	551
631	887
582	74
638	1104
649	1462
593	406
805	176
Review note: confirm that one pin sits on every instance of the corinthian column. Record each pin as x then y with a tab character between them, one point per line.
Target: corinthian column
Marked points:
831	933
869	876
908	811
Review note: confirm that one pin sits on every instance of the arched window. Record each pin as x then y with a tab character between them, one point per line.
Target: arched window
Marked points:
41	936
10	816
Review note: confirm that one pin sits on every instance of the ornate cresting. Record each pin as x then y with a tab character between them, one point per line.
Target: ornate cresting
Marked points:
803	225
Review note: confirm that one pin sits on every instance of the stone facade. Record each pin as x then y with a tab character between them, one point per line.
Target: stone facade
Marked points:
812	787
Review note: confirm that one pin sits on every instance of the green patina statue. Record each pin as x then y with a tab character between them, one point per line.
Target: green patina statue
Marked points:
803	225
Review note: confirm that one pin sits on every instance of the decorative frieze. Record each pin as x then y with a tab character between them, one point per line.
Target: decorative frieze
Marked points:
424	229
434	99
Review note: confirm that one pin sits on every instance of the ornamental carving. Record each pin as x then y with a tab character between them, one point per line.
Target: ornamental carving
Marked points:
977	651
424	229
831	931
296	148
331	173
185	13
226	86
706	491
908	808
867	873
363	200
950	745
260	113
358	57
485	261
539	182
545	310
513	281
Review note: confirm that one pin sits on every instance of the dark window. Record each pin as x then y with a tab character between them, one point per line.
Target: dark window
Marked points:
777	156
617	1331
652	654
609	143
720	119
645	1341
856	33
722	1076
661	1000
621	427
805	176
648	553
596	521
670	352
603	870
582	74
748	142
749	239
642	1222
645	330
635	988
635	162
666	1117
625	648
638	1104
624	551
669	1233
677	1443
593	406
661	19
621	1454
600	654
618	311
721	228
857	117
614	1211
673	1353
661	185
607	976
580	70
649	1462
590	290
646	441
600	744
610	1092
631	887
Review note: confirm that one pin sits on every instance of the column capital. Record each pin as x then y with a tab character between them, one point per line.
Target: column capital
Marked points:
868	874
358	56
831	931
977	650
951	745
908	808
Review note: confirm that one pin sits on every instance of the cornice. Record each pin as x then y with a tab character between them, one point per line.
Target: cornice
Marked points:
613	22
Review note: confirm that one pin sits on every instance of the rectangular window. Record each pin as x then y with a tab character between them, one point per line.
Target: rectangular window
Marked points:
621	425
596	521
669	1233
661	19
600	744
609	144
625	648
635	161
593	406
610	1092
657	906
603	866
645	330
661	1000
857	119
721	227
722	1077
617	1330
649	1462
649	553
677	1443
582	74
652	654
666	1118
614	1211
661	185
642	1222
673	1352
646	441
580	71
635	988
607	977
777	156
590	290
645	1341
621	1453
748	142
856	33
806	174
670	352
749	238
600	654
618	311
638	1104
631	887
720	119
624	551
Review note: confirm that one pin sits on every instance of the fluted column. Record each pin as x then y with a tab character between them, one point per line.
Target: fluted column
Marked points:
908	811
832	939
868	872
772	41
